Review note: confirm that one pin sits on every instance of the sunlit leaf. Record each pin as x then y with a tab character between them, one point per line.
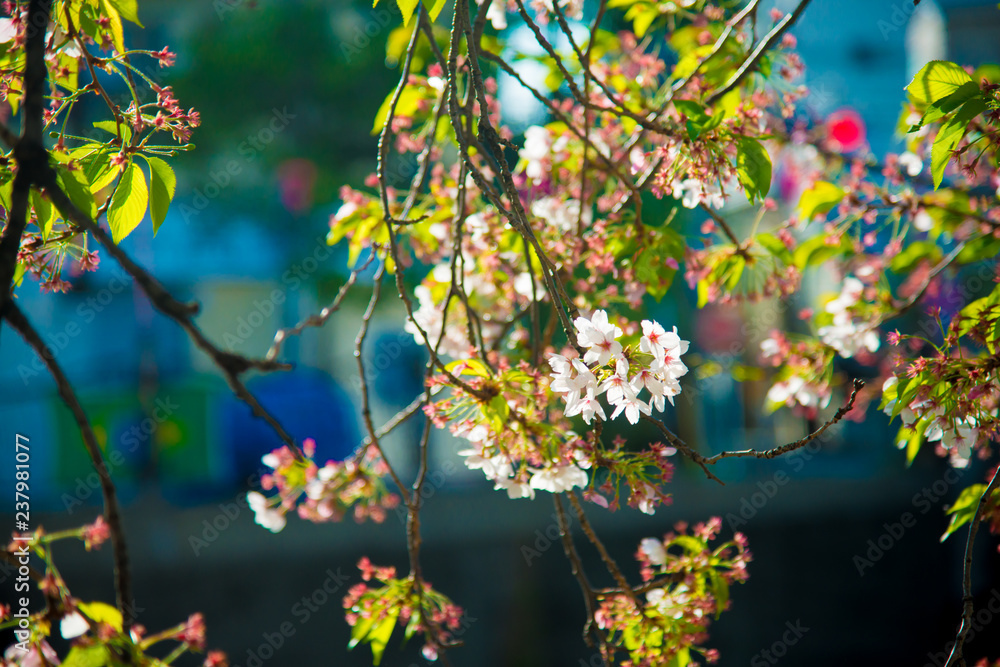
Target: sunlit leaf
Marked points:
128	204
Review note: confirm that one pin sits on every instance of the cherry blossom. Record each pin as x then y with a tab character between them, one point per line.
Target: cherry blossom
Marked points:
599	336
557	479
264	514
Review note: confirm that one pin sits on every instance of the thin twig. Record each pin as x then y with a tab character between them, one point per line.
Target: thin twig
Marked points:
769	41
802	442
967	601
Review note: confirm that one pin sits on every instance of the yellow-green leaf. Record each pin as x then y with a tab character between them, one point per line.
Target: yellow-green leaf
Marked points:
819	200
964	508
43	213
128	204
129	9
99	612
937	80
114	25
95	655
436	8
112	127
162	185
950	134
407	7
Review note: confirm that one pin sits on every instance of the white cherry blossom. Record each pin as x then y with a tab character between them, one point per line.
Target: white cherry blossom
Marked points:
653	549
264	514
599	336
558	478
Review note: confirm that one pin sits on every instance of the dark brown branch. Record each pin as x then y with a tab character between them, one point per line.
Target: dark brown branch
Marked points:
802	442
232	365
112	511
366	412
29	153
955	658
576	566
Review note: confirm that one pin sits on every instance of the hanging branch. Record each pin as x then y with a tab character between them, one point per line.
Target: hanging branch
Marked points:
112	511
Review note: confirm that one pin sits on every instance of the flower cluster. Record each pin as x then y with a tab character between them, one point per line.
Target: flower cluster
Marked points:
374	612
846	334
688	583
656	367
322	494
93	630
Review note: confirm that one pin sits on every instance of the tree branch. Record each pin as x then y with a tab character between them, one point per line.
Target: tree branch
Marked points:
112	511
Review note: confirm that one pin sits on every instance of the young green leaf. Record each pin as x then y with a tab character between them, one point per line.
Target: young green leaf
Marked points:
94	655
112	127
753	167
43	213
77	188
128	205
950	134
964	508
162	185
819	200
129	9
938	79
407	7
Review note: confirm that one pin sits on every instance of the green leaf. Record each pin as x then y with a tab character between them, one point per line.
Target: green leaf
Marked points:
75	184
964	508
720	590
95	655
378	637
111	127
99	612
753	167
406	7
129	9
819	200
642	18
815	251
43	213
943	107
409	101
775	246
950	134
128	205
162	185
7	194
938	79
114	25
436	8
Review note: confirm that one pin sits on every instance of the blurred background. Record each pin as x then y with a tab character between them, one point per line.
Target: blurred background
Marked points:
288	91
